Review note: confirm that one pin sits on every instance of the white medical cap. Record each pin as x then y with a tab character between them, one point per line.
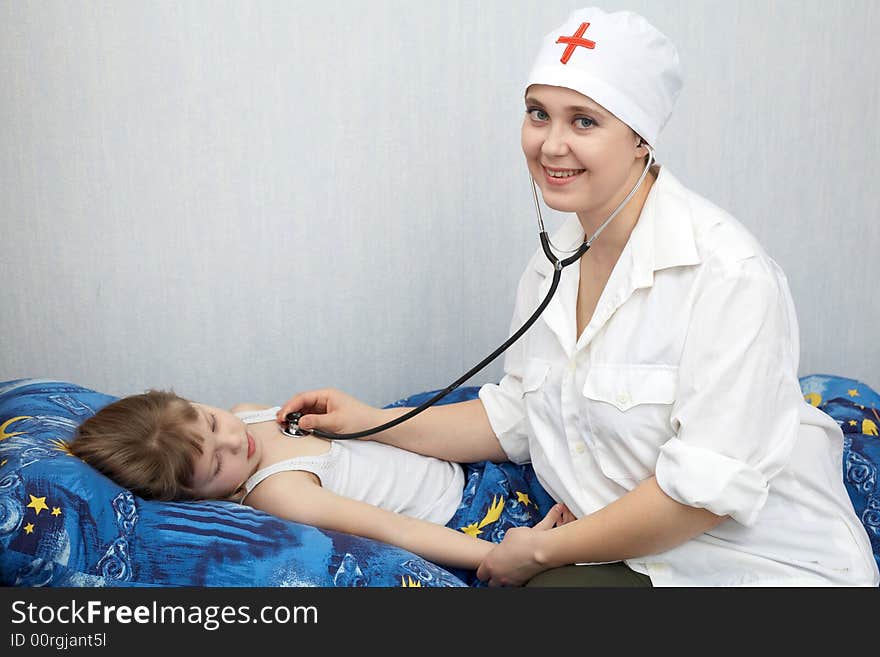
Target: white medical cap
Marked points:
619	60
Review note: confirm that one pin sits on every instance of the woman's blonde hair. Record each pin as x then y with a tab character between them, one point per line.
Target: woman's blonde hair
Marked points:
147	443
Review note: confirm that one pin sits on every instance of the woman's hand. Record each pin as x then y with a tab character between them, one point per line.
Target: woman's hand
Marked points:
331	410
514	561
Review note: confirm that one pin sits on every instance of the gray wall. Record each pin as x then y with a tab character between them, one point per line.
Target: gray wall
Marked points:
241	200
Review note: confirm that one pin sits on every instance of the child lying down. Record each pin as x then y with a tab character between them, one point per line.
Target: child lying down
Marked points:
162	446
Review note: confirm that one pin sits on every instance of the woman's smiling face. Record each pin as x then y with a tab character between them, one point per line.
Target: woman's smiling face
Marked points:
579	154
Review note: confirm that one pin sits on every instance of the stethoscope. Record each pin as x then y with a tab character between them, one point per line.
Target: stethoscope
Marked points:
291	427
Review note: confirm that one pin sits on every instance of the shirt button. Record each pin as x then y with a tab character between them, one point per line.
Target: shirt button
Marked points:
579	448
572	365
623	399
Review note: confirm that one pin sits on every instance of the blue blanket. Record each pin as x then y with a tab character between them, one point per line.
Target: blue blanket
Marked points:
64	524
856	409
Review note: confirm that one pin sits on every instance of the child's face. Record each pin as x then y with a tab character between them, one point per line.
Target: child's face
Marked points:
229	454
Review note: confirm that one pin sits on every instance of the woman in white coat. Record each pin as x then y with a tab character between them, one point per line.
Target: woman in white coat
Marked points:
657	396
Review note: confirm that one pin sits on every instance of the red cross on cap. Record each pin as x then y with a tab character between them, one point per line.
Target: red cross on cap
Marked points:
574	41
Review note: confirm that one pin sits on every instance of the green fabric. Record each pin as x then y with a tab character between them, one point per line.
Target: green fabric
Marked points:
607	574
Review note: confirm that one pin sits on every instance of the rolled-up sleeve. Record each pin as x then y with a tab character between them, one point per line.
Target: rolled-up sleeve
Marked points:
504	406
737	407
705	478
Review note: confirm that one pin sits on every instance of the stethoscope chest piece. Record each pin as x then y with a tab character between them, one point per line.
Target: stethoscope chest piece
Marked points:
290	427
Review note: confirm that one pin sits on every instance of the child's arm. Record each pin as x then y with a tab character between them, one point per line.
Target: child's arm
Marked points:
297	496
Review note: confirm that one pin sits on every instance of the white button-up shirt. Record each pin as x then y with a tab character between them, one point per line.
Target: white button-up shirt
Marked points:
686	371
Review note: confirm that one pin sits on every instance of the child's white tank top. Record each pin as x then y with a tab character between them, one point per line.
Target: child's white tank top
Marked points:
382	475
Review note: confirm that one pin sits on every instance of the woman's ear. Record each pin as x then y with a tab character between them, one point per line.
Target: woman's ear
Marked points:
642	148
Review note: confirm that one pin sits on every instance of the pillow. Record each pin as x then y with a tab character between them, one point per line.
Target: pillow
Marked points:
64	524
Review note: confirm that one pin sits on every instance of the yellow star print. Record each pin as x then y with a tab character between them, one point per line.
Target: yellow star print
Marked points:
852	423
492	514
60	446
29	528
56	510
472	529
853	393
37	504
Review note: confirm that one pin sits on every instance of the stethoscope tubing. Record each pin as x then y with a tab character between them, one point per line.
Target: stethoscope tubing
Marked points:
558	266
557	275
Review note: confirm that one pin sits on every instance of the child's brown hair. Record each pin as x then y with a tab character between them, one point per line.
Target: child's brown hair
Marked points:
146	443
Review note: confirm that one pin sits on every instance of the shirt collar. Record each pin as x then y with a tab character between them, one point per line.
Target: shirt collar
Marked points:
663	237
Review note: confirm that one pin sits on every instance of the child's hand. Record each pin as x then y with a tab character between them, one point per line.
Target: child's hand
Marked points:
557	516
330	410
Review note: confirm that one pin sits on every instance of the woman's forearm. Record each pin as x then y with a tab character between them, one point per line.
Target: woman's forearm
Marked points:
455	432
644	521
